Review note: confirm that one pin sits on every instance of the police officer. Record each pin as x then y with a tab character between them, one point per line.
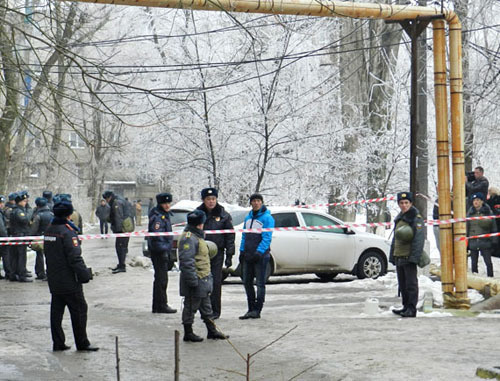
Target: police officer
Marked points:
160	247
119	213
19	227
39	223
48	196
217	219
11	203
406	249
196	279
66	272
3	233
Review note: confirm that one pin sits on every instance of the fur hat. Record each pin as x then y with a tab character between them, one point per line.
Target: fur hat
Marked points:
196	217
63	208
107	194
478	195
162	198
40	201
20	196
256	196
209	192
405	196
47	194
12	196
62	197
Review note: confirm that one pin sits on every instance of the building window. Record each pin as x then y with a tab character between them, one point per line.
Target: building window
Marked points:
75	141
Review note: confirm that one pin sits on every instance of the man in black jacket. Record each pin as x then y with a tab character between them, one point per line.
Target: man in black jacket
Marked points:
19	227
66	272
4	253
119	213
406	249
102	212
476	183
39	222
217	219
160	247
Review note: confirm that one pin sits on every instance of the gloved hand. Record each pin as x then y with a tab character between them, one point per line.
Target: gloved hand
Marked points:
229	261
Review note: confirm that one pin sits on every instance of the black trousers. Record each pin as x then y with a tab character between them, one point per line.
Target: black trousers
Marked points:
216	269
17	262
160	282
5	254
77	307
474	257
104	226
121	246
39	264
408	285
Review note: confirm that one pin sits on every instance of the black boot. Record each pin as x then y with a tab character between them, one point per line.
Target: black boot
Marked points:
213	333
251	307
189	335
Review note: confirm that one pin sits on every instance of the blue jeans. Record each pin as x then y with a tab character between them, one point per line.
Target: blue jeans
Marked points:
257	271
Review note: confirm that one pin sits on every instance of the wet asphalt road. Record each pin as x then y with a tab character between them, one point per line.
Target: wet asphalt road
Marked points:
330	337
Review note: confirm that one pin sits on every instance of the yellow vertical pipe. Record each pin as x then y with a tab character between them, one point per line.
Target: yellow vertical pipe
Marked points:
457	144
443	155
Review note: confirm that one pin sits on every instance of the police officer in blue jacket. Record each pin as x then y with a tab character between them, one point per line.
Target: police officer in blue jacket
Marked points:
160	247
255	255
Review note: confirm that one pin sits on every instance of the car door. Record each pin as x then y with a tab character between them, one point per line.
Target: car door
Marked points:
288	248
329	249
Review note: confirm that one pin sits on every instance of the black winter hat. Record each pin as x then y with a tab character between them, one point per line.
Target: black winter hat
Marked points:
62	197
20	196
405	196
209	192
41	201
196	217
47	194
256	196
63	209
107	194
162	198
478	195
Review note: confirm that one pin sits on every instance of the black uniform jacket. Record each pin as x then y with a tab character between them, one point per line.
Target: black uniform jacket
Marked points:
219	219
19	222
159	222
414	219
66	269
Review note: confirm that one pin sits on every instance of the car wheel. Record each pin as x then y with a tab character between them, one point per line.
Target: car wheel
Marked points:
327	277
371	265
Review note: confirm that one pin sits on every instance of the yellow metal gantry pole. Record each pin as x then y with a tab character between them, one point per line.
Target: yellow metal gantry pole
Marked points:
388	12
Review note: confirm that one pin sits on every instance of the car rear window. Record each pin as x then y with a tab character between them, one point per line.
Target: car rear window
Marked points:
178	216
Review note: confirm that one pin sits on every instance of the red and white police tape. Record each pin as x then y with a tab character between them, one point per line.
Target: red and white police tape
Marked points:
346	203
26	240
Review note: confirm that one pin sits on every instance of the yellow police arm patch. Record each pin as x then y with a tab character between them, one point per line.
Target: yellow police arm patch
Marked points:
75	241
21	214
186	246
